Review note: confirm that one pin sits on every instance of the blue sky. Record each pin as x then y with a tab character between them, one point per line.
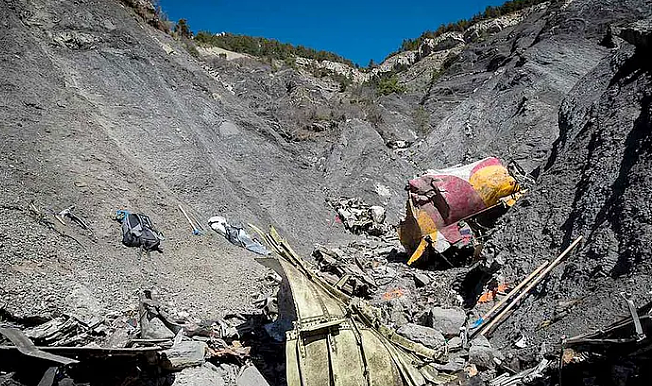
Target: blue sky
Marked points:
357	30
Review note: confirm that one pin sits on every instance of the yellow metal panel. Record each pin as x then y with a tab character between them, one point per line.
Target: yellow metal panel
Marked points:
419	252
292	374
348	368
306	303
315	369
492	183
417	224
382	370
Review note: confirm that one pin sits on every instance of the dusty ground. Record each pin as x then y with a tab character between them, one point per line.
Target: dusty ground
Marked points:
99	110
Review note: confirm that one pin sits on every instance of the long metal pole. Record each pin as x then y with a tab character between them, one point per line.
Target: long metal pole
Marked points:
187	218
529	287
513	292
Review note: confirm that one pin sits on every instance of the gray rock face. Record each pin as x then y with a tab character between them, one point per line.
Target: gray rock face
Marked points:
198	376
595	184
447	320
427	336
442	42
185	354
250	376
482	354
88	88
639	34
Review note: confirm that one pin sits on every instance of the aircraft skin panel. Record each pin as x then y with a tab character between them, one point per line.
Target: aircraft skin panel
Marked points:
346	359
314	361
382	369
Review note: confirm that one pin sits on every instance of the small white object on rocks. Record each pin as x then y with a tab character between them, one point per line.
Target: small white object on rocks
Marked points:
377	214
421	279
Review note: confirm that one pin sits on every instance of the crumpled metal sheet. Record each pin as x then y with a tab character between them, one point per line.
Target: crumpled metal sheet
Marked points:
339	340
440	200
26	347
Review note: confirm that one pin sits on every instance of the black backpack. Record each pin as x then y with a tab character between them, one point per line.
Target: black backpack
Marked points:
138	231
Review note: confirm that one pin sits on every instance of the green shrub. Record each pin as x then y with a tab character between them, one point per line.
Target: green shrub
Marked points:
261	47
436	74
463	24
182	30
291	62
192	50
389	85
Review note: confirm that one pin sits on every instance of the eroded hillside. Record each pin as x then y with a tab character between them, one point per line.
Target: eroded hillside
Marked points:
103	111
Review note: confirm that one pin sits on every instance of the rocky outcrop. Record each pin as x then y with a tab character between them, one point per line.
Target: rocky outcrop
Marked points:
210	52
405	58
102	111
595	184
639	34
445	41
355	75
452	40
484	28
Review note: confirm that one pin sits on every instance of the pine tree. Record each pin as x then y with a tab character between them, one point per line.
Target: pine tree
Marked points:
182	29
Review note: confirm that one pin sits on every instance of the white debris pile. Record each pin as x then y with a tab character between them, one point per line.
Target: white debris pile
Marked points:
359	217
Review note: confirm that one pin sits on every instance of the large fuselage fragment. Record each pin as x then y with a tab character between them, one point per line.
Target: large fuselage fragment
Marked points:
339	340
440	200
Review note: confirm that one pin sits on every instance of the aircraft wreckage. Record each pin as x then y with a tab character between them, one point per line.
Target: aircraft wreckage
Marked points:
339	340
441	202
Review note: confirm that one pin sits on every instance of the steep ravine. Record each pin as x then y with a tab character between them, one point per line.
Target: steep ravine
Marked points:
102	111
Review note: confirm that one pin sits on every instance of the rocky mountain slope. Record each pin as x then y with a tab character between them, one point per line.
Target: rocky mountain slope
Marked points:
594	184
102	111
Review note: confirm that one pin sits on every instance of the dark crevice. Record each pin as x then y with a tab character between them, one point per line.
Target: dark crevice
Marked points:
472	284
638	142
581	190
564	129
630	70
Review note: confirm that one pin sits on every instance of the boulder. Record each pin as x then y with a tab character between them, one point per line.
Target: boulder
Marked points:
397	317
447	320
250	376
639	34
397	309
427	336
482	354
184	354
377	214
153	328
198	376
421	279
455	343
